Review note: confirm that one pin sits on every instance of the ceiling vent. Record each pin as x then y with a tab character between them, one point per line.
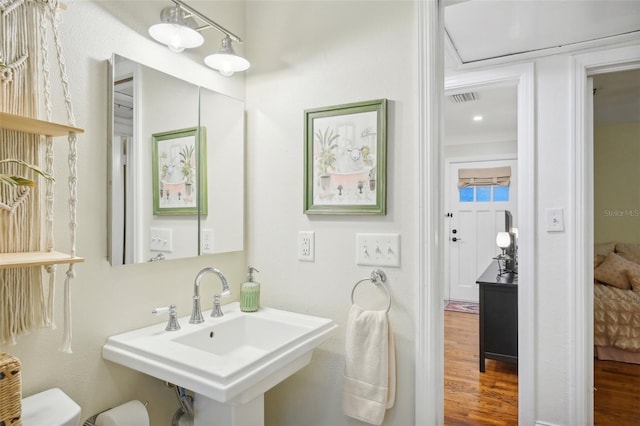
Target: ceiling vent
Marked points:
463	97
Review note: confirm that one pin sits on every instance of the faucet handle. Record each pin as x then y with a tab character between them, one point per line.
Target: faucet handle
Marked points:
173	323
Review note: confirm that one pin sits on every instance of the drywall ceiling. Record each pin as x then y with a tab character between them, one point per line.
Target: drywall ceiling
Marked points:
486	32
480	30
498	109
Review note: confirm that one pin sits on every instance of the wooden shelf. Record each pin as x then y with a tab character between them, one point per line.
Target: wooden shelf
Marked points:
46	128
35	126
38	258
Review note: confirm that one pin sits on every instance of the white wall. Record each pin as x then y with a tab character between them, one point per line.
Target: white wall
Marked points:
108	300
553	272
312	54
471	150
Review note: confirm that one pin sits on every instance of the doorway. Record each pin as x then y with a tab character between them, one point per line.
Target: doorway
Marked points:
430	322
480	136
475	214
616	131
586	65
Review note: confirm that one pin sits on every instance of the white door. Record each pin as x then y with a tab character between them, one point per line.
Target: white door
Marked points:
475	215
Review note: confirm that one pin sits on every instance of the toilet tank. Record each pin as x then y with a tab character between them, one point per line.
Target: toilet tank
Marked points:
52	408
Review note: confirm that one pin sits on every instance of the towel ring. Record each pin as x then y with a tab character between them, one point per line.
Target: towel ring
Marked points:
378	278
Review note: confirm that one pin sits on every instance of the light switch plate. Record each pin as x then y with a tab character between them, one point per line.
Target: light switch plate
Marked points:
554	219
378	249
161	239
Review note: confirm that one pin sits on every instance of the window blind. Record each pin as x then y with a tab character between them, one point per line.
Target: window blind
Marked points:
500	176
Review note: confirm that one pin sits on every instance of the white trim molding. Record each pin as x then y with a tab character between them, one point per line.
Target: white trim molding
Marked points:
429	358
523	76
581	301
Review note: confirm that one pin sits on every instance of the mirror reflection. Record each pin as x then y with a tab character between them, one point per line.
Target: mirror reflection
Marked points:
176	167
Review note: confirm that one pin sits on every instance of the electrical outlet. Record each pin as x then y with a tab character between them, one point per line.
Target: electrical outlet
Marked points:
206	241
306	246
378	249
161	239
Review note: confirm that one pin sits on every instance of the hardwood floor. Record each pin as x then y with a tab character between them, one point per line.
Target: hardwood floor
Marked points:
491	398
471	397
617	395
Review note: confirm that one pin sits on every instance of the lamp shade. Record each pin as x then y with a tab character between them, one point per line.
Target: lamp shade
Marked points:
176	30
503	239
226	60
176	37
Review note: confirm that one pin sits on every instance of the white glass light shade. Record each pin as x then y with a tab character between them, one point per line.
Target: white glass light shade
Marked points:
226	64
226	61
176	30
514	231
503	239
177	37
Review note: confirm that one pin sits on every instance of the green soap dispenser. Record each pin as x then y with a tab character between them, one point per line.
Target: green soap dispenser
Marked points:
250	293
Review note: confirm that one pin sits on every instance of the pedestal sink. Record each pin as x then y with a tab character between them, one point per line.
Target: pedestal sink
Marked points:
228	362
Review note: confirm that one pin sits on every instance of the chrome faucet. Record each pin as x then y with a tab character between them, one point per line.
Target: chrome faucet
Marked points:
196	314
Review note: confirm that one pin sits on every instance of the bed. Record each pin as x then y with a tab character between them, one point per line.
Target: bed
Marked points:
616	303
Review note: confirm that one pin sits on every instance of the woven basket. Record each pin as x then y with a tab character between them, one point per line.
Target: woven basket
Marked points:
10	391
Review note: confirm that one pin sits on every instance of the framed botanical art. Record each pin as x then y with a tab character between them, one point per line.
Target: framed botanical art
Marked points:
179	180
345	161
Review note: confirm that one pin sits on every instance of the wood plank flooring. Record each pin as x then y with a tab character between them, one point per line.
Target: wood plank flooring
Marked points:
491	398
617	395
471	397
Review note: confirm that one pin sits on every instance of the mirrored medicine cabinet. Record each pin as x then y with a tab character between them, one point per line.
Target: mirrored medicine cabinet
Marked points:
176	167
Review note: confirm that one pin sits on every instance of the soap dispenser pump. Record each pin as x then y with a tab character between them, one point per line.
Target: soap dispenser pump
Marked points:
250	293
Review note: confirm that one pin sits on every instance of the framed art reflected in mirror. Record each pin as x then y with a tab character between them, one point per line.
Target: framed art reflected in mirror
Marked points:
179	181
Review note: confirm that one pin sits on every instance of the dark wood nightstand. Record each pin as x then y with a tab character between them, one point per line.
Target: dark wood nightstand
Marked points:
498	315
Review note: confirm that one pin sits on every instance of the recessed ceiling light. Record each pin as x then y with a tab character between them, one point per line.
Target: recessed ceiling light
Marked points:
478	118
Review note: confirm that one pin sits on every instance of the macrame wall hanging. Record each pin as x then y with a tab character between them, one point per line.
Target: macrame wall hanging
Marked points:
28	28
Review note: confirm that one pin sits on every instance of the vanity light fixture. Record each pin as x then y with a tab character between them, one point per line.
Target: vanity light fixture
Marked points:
179	30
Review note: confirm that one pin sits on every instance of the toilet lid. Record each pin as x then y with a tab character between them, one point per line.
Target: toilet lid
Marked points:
51	407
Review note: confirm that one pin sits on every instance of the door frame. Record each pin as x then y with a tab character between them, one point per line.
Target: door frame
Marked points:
445	172
581	240
429	330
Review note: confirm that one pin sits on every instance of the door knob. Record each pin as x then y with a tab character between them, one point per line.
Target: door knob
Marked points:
454	239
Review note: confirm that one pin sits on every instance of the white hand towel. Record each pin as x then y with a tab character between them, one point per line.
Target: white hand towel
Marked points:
370	366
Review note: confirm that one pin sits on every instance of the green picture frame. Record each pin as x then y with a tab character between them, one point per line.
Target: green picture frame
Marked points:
179	181
345	159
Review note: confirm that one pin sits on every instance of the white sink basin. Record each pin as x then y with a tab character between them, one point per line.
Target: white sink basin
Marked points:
232	359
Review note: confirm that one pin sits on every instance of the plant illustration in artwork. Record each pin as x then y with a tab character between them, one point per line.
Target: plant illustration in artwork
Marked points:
327	151
187	163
